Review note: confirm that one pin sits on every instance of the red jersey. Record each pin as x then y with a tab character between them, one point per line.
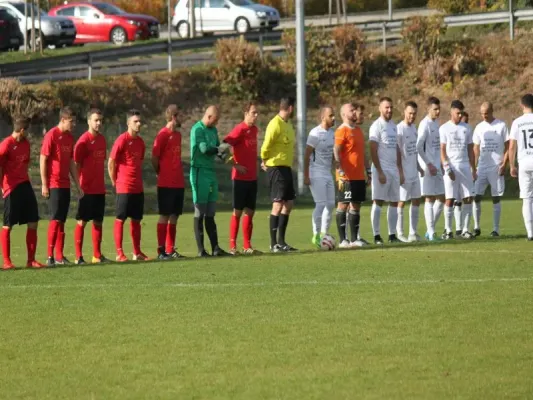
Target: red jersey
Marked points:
59	148
243	138
167	147
90	153
128	153
14	159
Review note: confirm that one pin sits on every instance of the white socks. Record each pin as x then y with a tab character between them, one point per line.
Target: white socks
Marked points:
437	211
326	217
467	214
414	213
317	217
477	215
496	213
458	214
399	224
375	215
392	219
430	218
527	213
448	218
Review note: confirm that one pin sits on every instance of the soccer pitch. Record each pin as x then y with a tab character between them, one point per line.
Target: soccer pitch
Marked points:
446	320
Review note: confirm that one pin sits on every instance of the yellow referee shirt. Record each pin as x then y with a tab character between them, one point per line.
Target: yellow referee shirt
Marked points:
278	147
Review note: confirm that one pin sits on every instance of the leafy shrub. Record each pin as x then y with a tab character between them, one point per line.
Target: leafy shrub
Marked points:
450	6
423	35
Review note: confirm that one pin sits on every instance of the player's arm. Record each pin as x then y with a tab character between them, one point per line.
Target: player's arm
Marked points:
374	146
421	144
3	154
74	173
79	156
271	133
156	152
46	150
312	142
201	142
399	164
112	163
234	137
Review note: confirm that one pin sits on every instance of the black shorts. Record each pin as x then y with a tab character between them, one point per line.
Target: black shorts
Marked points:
58	204
130	205
281	184
170	200
352	192
91	207
244	194
20	206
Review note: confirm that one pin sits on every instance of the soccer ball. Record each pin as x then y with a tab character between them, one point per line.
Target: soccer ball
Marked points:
327	242
223	152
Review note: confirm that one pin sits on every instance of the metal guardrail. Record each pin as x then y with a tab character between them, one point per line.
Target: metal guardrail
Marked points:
385	27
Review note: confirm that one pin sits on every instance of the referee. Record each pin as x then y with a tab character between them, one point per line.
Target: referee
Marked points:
277	154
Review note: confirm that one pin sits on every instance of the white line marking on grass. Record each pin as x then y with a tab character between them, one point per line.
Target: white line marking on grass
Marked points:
429	250
203	285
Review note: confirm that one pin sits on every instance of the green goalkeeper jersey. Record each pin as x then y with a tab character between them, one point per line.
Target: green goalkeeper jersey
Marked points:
203	140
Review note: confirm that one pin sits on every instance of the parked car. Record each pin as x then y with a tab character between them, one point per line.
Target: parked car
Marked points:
224	15
53	31
10	36
104	22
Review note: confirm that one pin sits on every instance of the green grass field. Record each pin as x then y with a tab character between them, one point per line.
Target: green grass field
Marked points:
448	320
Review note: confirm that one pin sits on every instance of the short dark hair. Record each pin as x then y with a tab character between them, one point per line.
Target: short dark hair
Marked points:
458	104
248	105
133	113
20	123
465	114
358	106
383	99
171	112
433	101
286	102
92	111
411	103
66	113
527	100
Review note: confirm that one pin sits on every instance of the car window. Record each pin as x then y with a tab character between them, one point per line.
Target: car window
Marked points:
67	12
216	3
9	12
85	12
198	3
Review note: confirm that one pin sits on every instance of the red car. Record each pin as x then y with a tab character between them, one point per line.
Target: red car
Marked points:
104	22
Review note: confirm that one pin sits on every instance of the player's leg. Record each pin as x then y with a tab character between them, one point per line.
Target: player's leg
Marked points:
165	203
210	224
97	228
405	196
480	187
525	181
239	197
54	225
276	194
458	216
6	247
200	194
497	188
121	214
136	214
378	197
414	212
358	196
344	197
319	190
31	217
429	190
64	205
450	187
11	214
330	204
393	197
466	187
288	196
82	217
247	220
173	223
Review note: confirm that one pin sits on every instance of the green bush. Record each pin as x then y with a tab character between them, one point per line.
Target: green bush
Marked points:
450	6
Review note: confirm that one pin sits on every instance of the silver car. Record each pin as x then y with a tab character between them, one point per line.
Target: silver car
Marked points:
54	31
224	15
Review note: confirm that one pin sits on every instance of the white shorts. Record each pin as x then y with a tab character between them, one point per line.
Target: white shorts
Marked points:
525	180
492	178
432	185
390	191
463	186
323	189
410	190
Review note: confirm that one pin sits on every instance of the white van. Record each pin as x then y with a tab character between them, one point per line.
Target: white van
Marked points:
224	15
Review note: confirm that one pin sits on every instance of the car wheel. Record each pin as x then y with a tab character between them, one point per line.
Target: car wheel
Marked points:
15	48
118	36
242	25
183	29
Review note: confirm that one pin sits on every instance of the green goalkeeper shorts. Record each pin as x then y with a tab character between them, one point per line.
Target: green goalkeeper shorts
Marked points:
204	185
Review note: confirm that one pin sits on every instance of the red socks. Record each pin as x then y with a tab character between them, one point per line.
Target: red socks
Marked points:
78	240
6	245
31	243
53	230
233	231
247	227
60	241
119	234
97	240
171	238
135	229
161	235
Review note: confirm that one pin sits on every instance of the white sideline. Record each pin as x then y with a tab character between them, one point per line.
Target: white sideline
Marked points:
264	284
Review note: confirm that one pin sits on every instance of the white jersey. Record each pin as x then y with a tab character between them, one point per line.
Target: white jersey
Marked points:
428	143
407	138
456	137
384	133
491	138
323	142
522	132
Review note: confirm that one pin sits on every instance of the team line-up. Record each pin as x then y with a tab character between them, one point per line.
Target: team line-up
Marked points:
450	166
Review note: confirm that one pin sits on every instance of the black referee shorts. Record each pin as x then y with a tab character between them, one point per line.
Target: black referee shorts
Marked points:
281	184
20	206
244	194
58	204
352	192
170	200
91	207
130	205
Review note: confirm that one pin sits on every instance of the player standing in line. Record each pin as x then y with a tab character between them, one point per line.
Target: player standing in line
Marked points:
387	170
166	161
458	204
522	143
204	148
318	163
457	157
56	163
491	145
20	204
89	156
351	162
410	190
243	139
125	170
277	153
432	184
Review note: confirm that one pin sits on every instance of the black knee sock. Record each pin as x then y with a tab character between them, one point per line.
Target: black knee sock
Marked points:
354	218
341	224
211	229
274	222
282	228
199	233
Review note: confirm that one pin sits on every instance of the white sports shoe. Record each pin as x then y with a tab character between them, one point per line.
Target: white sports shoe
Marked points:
402	238
358	243
414	238
467	235
344	245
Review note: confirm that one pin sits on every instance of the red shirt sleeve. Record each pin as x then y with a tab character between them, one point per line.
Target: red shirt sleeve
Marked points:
159	144
143	149
116	151
234	137
3	153
80	151
46	148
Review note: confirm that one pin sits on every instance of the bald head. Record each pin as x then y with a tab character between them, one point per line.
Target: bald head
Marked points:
348	114
211	116
487	111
